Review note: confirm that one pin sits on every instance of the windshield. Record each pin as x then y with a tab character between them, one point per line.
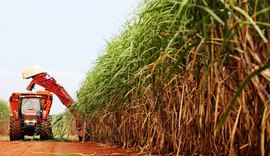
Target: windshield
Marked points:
30	104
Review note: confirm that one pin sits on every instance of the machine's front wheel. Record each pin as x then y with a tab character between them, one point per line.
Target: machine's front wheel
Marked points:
15	131
45	129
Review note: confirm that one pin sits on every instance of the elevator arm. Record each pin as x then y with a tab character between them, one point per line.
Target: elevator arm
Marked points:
50	84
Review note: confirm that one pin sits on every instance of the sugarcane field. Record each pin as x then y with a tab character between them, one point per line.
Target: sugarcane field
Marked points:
137	77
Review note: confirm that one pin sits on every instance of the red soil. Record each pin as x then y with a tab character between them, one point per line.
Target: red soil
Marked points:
37	148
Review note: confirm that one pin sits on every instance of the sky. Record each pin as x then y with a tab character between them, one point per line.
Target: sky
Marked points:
63	36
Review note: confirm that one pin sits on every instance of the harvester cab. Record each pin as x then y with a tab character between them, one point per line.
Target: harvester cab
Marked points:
30	109
30	115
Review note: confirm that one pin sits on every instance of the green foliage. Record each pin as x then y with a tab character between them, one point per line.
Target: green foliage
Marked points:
156	41
173	71
4	117
63	126
4	111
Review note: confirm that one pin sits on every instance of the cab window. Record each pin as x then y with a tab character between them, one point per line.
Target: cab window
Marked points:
30	104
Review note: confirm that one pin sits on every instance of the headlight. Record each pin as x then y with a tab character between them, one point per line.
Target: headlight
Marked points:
30	121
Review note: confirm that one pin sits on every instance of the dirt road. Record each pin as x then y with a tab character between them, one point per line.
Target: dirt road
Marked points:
37	148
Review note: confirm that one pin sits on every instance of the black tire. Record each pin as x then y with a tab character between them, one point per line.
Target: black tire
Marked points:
15	131
80	138
45	129
49	125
